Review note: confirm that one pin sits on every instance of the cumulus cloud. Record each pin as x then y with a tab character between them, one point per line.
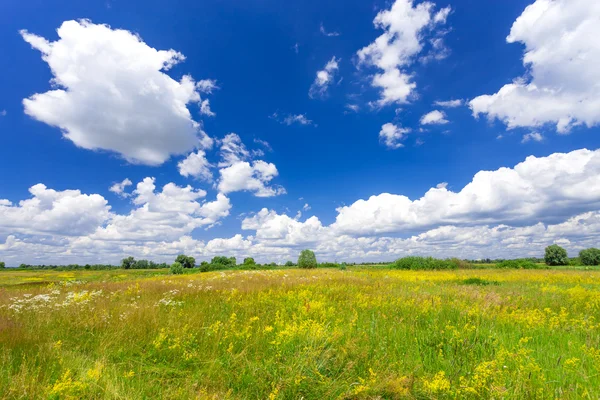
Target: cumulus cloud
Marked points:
196	165
434	117
48	211
111	92
391	135
405	27
544	188
239	173
324	78
119	188
561	54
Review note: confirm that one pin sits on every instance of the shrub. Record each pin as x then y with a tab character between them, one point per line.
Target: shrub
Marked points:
2	265
590	256
249	261
176	268
461	264
520	263
186	261
329	265
422	263
479	282
556	255
343	266
307	259
289	264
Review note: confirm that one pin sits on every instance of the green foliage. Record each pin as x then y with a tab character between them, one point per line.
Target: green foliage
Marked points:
423	263
2	264
556	255
343	266
590	256
223	262
249	261
461	264
329	265
307	259
520	263
176	268
479	282
289	264
186	261
127	263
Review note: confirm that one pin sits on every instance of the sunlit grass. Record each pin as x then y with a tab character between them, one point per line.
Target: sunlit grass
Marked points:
290	334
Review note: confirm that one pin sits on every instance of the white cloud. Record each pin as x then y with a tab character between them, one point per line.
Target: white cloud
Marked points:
542	188
205	108
324	78
561	55
239	174
291	119
253	177
450	103
535	136
67	213
119	188
352	107
328	34
442	185
306	207
111	92
3	113
196	165
434	117
206	85
166	215
264	143
391	135
405	29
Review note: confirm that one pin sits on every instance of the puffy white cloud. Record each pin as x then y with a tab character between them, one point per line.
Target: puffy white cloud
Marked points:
119	188
543	188
195	165
277	229
391	135
169	214
237	174
561	55
405	29
450	103
111	93
205	108
535	136
67	213
324	78
253	177
434	117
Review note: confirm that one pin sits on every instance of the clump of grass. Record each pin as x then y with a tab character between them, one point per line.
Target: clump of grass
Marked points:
479	282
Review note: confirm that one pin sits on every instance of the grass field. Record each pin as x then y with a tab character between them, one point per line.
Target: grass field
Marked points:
292	334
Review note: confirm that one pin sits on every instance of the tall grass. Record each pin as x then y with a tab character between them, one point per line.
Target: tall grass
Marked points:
312	334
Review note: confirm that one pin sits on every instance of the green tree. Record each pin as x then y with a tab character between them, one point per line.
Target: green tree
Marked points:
2	264
186	261
128	263
249	261
556	255
307	259
289	264
176	268
590	256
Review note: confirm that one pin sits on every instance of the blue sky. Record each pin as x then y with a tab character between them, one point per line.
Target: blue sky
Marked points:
358	153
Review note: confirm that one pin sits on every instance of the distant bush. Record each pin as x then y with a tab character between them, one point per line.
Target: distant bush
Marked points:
2	265
127	263
222	262
176	268
249	260
329	265
556	255
307	259
479	282
590	256
343	266
461	264
521	263
422	263
289	264
186	261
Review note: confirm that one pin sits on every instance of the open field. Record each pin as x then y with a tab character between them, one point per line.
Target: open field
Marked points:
291	334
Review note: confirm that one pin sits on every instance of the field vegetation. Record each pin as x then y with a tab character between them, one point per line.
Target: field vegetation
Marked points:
441	329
